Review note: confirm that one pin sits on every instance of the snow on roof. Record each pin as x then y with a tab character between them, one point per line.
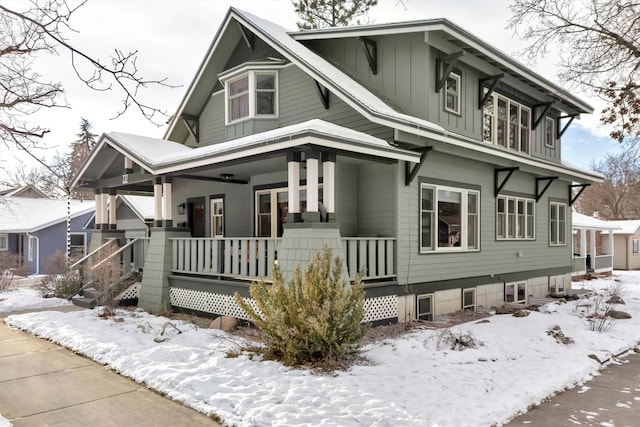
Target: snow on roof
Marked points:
626	226
143	206
24	215
163	154
584	221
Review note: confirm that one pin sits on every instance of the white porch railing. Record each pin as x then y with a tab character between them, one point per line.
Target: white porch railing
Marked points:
373	256
580	264
252	258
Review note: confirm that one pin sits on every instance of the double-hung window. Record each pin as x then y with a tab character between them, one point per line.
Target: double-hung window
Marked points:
636	246
506	123
452	93
549	132
449	218
515	218
557	224
252	95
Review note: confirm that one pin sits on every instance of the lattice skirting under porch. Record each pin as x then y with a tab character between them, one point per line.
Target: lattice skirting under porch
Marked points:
378	308
132	292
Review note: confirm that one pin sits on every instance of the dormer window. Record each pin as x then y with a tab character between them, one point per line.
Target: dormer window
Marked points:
252	95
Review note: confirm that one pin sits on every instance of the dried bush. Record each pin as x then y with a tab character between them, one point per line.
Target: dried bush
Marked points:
315	318
105	273
617	289
60	281
594	313
9	267
454	340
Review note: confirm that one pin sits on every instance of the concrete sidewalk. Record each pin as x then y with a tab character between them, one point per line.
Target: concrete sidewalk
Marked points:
610	399
43	384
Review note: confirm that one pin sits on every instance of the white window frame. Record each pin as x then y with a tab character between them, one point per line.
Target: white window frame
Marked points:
465	216
491	117
216	217
517	225
4	241
252	93
557	234
428	314
635	246
472	306
456	94
273	200
557	284
30	241
516	287
549	132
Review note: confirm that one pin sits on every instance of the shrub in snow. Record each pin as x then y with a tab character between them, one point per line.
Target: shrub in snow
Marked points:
60	280
595	313
316	317
8	267
454	340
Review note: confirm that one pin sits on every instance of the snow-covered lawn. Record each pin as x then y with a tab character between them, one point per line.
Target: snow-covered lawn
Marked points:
19	299
409	382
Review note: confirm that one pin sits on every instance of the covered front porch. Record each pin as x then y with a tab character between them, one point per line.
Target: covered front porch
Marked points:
592	247
225	213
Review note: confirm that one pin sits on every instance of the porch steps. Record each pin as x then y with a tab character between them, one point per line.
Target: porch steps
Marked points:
126	287
89	298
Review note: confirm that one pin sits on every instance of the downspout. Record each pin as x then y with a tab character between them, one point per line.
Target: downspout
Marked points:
37	250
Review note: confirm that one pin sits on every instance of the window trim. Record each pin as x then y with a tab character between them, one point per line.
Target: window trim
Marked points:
528	203
4	237
495	98
464	214
635	246
212	200
473	306
553	284
457	76
252	91
84	242
549	143
516	286
554	240
430	313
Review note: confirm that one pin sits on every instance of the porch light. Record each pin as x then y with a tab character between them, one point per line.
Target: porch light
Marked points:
181	207
227	176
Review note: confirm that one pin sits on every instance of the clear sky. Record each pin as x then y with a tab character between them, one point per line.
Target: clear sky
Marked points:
172	37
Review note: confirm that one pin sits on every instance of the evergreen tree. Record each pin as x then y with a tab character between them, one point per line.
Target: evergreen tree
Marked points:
316	14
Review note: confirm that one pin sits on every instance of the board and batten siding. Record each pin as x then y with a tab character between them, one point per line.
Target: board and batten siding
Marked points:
495	257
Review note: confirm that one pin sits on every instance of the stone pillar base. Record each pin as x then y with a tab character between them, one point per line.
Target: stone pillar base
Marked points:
300	243
154	292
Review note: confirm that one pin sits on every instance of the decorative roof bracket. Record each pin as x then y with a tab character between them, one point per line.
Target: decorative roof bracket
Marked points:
323	92
449	62
572	198
192	125
410	174
549	180
248	37
371	52
545	109
565	127
494	82
496	178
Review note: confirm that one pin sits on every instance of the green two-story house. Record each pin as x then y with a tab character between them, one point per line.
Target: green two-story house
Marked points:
424	157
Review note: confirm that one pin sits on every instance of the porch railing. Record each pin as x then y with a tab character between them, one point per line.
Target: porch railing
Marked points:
603	262
253	258
580	264
250	258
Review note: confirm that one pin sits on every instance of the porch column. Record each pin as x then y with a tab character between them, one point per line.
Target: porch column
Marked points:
98	219
583	243
128	165
611	245
104	219
157	199
592	247
168	201
329	186
293	178
112	210
312	214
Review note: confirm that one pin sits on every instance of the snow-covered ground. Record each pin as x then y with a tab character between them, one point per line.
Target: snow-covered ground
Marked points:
409	380
19	299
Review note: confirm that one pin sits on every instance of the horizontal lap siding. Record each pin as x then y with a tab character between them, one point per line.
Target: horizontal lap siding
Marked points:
495	257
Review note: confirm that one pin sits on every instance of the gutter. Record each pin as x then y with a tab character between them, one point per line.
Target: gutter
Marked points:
37	239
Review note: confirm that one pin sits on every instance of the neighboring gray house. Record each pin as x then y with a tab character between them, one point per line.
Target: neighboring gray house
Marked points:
424	157
34	229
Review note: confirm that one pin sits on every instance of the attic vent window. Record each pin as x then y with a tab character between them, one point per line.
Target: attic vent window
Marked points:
252	95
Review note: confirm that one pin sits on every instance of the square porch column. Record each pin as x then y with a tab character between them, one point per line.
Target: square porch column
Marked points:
112	210
167	201
293	187
157	201
329	186
312	214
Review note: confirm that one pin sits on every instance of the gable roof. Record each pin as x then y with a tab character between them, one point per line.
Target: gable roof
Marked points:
24	191
142	206
353	93
626	226
27	215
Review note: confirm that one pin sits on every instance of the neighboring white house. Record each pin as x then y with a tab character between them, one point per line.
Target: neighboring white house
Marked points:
593	246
